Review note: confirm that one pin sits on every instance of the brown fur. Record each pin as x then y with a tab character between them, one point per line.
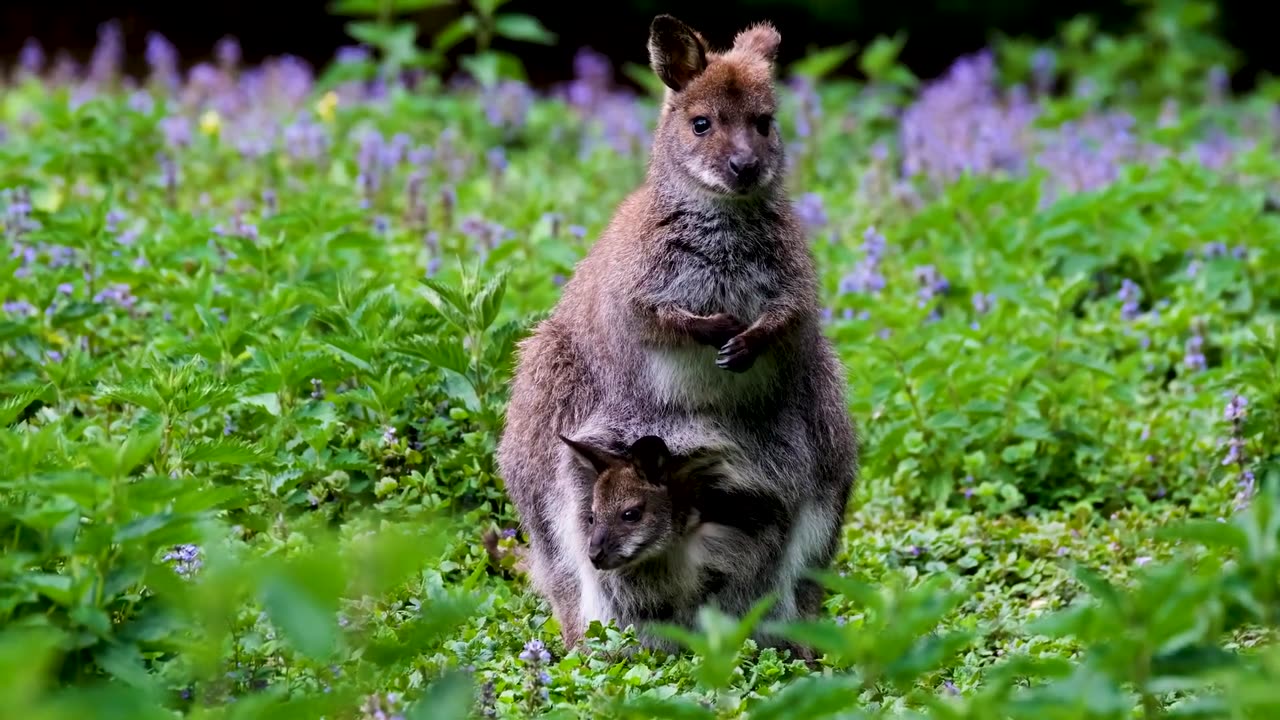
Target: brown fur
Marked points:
698	301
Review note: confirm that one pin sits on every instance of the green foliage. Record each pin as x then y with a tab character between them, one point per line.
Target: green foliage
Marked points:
254	482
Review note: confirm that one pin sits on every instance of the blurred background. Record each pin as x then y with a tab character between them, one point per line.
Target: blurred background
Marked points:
936	31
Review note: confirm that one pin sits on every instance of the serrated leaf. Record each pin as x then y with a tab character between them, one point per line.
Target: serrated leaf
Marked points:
447	301
446	353
12	408
224	451
267	401
486	304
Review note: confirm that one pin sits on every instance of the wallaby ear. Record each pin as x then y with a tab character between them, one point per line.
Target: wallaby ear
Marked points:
677	53
653	457
596	456
761	39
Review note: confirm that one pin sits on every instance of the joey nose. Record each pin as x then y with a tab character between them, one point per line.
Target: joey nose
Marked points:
744	166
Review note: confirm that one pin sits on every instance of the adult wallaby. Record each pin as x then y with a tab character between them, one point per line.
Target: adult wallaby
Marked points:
699	300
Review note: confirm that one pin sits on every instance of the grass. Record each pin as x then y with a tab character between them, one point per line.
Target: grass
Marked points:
254	364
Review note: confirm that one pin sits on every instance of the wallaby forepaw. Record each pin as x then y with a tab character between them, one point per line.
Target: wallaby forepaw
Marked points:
736	355
718	329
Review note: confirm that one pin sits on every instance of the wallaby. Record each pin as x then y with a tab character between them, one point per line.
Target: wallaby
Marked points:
699	300
666	532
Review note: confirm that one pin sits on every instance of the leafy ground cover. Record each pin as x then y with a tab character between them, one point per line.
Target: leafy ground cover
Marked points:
257	325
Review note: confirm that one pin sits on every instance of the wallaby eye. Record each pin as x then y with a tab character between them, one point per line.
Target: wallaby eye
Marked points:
631	515
591	518
763	123
701	125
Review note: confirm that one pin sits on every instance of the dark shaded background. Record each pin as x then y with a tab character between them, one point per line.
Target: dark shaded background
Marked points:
938	30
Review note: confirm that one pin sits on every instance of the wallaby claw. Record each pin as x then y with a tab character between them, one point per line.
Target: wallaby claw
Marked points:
736	355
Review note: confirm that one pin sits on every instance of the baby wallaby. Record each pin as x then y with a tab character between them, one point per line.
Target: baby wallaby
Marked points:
641	501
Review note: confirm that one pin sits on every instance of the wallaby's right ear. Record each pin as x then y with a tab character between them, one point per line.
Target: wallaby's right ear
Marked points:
597	457
677	53
652	455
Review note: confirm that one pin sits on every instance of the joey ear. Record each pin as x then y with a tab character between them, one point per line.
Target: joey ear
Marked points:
761	39
653	457
597	457
677	53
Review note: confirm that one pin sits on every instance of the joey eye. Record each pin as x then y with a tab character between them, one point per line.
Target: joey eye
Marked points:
763	124
631	515
591	518
701	125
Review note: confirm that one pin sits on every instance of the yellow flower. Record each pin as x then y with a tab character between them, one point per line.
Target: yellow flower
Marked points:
326	105
210	122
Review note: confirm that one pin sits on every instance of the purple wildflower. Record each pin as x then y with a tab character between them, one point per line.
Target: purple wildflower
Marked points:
507	105
185	559
1234	413
389	435
351	54
497	160
227	52
18	308
1042	68
810	210
1193	358
162	57
509	533
1215	249
931	282
317	389
119	294
31	57
108	54
535	653
1130	293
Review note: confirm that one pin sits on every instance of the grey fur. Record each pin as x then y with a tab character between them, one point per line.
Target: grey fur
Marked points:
694	317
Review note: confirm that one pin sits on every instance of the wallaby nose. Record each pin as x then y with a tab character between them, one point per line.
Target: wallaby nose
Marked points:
745	166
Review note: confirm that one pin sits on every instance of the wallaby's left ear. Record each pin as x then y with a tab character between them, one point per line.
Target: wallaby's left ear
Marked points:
598	457
761	39
677	53
653	457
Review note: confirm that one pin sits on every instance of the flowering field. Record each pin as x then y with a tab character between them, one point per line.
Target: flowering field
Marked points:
258	322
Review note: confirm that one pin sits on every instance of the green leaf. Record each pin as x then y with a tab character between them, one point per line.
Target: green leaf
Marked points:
144	527
809	697
819	64
442	352
524	28
486	304
455	32
651	708
53	586
12	408
301	598
267	401
223	451
1207	532
373	7
448	698
447	301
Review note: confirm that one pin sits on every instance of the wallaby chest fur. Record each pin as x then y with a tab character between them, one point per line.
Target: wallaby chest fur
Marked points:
696	308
